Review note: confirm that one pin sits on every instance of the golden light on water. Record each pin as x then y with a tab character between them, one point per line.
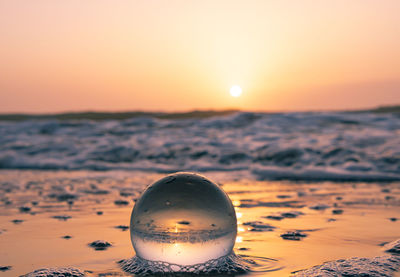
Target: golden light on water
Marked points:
239	215
236	203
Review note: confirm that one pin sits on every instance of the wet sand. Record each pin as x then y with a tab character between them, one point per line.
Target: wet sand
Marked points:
49	218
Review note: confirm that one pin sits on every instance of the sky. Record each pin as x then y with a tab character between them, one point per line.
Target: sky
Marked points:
171	55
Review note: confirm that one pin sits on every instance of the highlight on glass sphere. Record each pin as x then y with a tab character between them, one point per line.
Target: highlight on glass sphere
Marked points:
183	219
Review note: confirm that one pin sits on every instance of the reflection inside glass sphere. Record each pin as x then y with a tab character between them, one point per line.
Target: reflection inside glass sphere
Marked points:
183	219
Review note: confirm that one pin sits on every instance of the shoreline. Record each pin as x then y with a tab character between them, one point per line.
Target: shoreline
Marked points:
57	214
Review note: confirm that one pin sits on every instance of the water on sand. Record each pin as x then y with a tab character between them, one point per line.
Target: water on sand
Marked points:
50	217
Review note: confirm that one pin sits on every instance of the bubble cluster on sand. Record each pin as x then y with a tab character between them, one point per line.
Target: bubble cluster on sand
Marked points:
229	264
337	211
259	226
282	215
121	202
183	219
5	268
319	207
383	266
393	247
293	235
24	209
55	272
122	227
62	217
100	244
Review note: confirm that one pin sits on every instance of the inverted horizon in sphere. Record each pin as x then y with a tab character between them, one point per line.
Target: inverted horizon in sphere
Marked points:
183	219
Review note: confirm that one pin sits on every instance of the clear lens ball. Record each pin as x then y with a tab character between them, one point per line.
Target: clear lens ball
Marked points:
183	219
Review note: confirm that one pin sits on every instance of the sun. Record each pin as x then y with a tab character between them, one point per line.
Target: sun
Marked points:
235	91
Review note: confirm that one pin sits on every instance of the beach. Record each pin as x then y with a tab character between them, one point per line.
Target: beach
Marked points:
199	138
307	187
339	220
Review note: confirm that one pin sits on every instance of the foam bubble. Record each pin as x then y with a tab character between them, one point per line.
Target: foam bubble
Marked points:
230	264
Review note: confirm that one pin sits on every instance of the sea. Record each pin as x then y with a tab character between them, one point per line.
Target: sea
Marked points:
304	146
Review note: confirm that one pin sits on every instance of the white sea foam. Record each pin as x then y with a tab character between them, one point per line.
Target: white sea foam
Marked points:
300	146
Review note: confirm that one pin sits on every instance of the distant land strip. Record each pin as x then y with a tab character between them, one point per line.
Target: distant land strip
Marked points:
384	109
115	115
160	115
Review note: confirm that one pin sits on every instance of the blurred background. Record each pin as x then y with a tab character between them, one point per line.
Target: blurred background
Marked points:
59	56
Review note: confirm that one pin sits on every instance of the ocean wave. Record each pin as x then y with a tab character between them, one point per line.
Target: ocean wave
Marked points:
297	146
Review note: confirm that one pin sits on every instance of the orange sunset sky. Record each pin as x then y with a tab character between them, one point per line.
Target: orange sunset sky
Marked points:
76	55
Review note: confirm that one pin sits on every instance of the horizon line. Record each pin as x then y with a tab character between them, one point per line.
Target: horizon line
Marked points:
198	110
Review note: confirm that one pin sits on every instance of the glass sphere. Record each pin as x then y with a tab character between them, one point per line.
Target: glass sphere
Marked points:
183	219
